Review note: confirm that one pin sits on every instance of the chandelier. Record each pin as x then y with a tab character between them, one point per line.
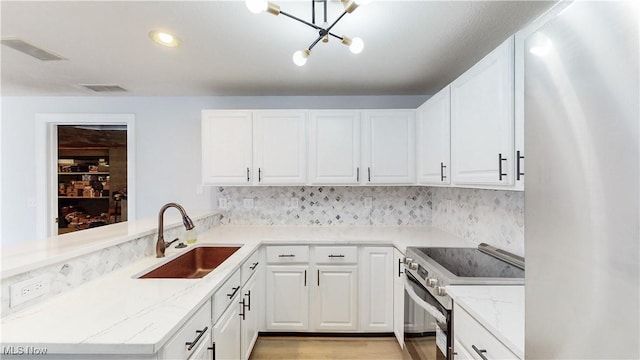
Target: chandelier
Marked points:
356	45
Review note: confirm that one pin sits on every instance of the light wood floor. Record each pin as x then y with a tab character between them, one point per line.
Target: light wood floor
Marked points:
288	348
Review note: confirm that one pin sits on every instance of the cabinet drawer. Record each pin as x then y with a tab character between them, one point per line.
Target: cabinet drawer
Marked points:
336	254
287	254
196	331
470	333
250	266
223	296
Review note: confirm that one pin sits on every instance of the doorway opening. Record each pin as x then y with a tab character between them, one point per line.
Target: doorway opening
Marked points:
54	162
92	176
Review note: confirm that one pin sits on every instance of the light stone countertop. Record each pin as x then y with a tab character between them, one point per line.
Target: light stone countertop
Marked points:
119	314
500	309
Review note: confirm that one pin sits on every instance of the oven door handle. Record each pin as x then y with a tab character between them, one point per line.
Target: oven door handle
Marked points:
423	304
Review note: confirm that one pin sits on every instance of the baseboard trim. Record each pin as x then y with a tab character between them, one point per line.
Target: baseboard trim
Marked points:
324	334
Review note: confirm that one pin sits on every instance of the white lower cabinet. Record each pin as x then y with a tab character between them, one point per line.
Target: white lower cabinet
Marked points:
398	296
336	298
376	289
193	334
287	303
251	300
226	332
236	330
474	341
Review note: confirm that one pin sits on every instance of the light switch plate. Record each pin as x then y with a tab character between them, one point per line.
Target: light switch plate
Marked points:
368	202
295	203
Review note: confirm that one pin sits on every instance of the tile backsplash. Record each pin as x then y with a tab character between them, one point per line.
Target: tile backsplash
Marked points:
491	216
328	205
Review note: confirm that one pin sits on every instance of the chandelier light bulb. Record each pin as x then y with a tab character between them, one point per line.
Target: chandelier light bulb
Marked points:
257	6
357	45
300	57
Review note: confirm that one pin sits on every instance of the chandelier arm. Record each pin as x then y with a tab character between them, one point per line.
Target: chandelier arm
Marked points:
335	22
315	42
336	36
300	20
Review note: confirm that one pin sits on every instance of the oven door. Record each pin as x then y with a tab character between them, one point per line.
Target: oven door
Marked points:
427	324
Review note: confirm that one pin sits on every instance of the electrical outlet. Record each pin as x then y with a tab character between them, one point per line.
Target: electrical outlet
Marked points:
368	202
223	204
248	203
295	203
29	289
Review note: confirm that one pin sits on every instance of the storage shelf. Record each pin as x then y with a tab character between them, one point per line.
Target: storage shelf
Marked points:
83	197
84	173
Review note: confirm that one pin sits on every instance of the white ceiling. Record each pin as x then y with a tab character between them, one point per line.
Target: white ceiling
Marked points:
411	47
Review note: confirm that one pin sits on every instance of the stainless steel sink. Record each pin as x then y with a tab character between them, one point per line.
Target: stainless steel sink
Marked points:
193	264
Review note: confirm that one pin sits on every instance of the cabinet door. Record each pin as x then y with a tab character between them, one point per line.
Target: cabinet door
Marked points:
226	332
389	147
287	298
226	147
336	298
482	120
334	147
280	147
376	289
434	139
398	296
251	298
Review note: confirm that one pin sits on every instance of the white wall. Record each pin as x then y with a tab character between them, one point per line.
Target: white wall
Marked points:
167	145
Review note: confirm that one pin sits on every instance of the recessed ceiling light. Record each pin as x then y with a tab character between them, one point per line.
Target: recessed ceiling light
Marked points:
164	38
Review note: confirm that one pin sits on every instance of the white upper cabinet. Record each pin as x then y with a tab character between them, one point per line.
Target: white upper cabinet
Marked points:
388	147
482	121
334	147
434	139
280	147
227	138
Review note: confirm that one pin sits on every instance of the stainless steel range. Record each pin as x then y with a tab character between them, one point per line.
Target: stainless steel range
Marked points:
430	270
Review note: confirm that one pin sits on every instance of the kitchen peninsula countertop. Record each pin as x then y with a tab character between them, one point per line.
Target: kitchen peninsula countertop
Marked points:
500	309
120	314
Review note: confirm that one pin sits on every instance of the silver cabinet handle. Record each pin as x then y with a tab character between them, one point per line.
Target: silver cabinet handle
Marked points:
480	352
336	256
286	255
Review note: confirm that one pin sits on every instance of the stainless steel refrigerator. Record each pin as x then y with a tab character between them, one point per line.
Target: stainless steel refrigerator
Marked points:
582	238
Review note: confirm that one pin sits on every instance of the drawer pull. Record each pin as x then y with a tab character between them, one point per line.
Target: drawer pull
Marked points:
480	352
248	304
195	341
286	255
254	266
235	290
213	350
336	256
243	308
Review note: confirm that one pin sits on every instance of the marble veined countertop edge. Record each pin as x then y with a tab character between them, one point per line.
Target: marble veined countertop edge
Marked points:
500	309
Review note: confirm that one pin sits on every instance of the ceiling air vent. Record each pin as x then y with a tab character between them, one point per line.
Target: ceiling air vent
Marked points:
31	50
103	87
